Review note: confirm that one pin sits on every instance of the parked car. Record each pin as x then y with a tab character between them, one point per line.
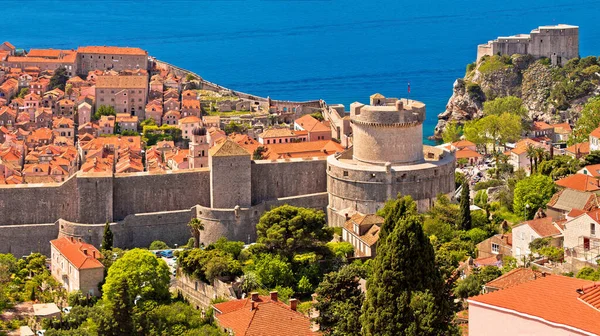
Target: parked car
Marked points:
167	254
67	310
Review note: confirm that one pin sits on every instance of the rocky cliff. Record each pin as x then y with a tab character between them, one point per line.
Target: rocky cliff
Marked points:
549	93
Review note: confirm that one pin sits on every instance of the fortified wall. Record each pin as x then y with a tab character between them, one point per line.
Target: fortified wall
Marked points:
144	207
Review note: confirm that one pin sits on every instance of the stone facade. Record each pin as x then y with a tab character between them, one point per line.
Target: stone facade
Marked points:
387	159
127	94
114	58
559	43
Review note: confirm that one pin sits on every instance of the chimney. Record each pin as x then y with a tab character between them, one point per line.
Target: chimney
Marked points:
254	296
273	295
252	305
94	254
293	304
72	239
85	251
79	239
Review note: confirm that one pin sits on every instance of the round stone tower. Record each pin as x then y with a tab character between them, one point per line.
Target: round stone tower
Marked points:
388	133
387	158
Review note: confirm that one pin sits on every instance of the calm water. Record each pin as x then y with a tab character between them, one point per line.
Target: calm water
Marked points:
340	50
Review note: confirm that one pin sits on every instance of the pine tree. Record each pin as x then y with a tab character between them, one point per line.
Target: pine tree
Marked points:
464	219
107	241
406	294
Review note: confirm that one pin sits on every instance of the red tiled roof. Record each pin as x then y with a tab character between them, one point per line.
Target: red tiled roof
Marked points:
595	133
591	296
463	143
75	252
579	182
581	148
488	261
514	277
542	226
551	299
111	50
311	124
268	318
593	170
466	153
540	125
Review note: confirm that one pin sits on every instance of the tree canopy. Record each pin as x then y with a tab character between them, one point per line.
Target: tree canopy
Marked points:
587	122
107	238
508	104
406	292
288	229
104	110
147	276
452	132
531	194
339	302
59	78
494	129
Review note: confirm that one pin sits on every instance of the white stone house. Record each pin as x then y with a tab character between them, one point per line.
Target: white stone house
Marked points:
362	231
582	237
76	266
523	234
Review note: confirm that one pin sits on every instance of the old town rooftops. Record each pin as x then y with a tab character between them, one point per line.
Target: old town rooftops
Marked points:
129	82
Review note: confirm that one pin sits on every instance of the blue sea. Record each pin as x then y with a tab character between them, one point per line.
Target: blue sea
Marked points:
339	50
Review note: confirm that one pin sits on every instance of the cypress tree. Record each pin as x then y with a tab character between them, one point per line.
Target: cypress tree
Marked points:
107	241
464	219
393	211
121	308
406	292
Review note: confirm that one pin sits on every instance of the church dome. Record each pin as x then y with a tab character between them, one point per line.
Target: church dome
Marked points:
199	131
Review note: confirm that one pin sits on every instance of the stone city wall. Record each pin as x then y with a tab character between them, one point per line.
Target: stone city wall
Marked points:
284	178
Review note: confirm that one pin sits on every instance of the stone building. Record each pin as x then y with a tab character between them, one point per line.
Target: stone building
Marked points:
127	94
114	58
76	266
559	43
387	158
199	146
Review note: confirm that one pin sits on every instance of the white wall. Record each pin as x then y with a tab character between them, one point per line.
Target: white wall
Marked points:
522	236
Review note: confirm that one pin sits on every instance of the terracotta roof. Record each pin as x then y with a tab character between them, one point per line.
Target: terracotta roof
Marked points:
579	182
311	124
189	120
80	254
488	261
515	277
305	149
463	143
551	299
540	126
466	153
268	318
568	199
112	50
591	296
373	222
44	53
135	82
542	226
563	128
277	133
595	133
228	148
581	148
522	145
593	170
9	45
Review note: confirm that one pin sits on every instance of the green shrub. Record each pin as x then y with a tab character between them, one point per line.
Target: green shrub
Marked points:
474	91
158	245
495	63
487	184
471	67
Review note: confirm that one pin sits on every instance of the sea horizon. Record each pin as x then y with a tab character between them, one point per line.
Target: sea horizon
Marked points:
304	50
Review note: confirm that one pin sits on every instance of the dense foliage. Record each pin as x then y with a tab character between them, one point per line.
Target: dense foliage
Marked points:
532	193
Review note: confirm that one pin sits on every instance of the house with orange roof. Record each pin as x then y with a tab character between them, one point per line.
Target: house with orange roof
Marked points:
523	234
469	156
8	47
582	236
39	137
106	124
64	127
362	231
39	86
179	159
103	146
307	149
171	118
215	135
581	182
591	170
190	107
562	132
126	94
594	139
548	305
155	112
90	58
84	112
578	150
517	276
9	88
518	156
249	144
43	117
281	136
211	121
564	201
189	95
260	315
8	116
187	124
65	108
50	99
316	129
171	93
127	122
76	265
498	244
171	104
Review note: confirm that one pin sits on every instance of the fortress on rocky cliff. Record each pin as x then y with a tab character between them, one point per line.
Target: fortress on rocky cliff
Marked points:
233	191
559	43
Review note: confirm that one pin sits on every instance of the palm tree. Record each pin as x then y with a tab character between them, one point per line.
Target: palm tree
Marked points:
531	155
196	226
540	155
